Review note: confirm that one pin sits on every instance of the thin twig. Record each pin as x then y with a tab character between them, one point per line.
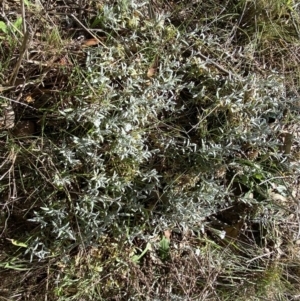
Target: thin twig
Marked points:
12	79
151	11
89	31
261	256
47	282
23	17
199	122
218	66
20	103
24	22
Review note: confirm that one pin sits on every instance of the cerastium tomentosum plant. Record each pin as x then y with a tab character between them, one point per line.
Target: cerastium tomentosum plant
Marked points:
168	132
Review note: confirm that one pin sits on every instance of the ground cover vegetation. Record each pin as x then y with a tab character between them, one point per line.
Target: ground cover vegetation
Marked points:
149	150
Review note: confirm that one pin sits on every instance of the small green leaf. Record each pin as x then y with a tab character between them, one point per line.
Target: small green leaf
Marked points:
259	176
27	2
3	26
96	22
15	267
18	243
136	258
164	248
18	23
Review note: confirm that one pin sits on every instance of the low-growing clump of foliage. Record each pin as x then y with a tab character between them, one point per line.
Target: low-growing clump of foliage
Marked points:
162	164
